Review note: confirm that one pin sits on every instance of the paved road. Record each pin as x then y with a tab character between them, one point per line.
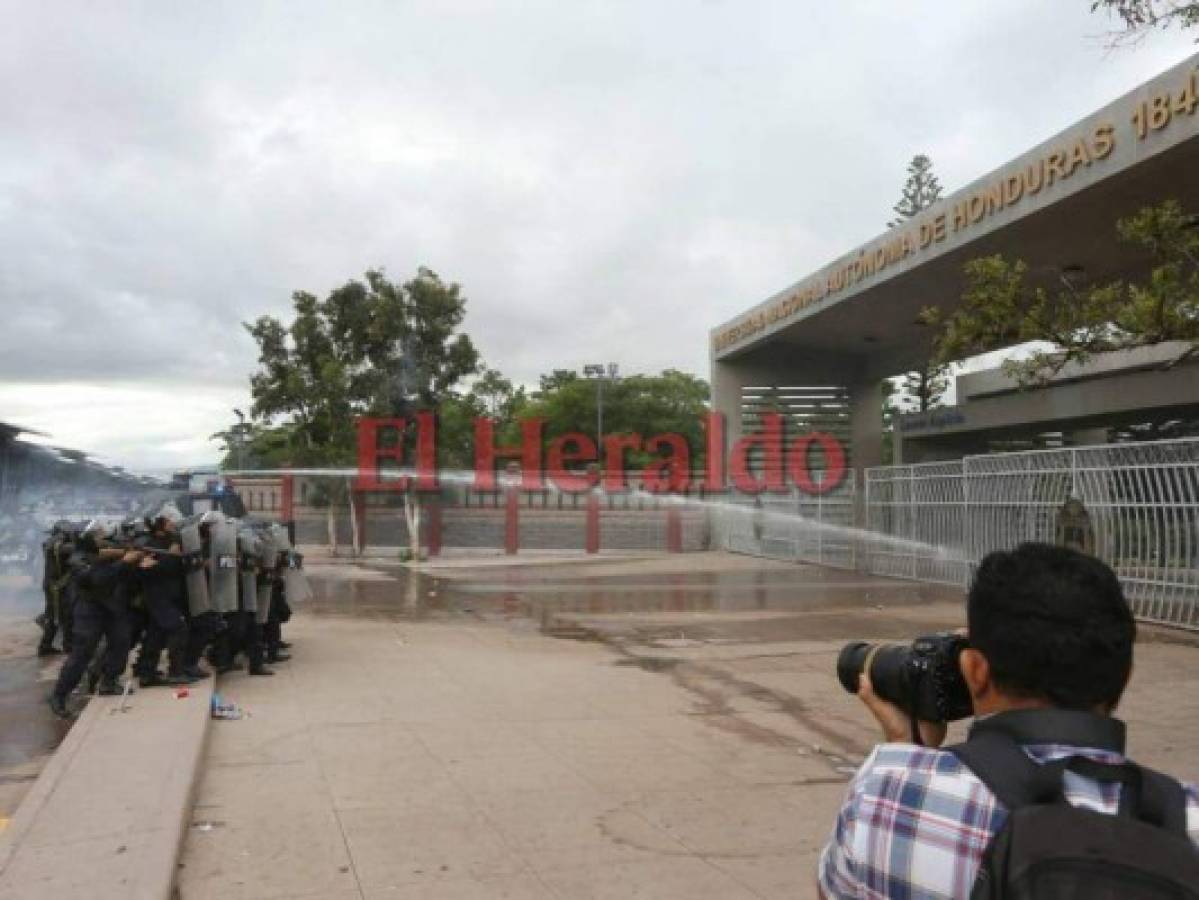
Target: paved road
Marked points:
545	732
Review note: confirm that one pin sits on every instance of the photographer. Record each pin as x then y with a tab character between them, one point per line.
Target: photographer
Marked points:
1050	640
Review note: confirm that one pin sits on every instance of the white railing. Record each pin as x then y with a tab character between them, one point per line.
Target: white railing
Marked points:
796	526
1141	504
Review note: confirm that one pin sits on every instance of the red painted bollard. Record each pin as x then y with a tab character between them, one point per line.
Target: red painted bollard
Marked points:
593	523
287	489
674	530
511	521
287	508
360	517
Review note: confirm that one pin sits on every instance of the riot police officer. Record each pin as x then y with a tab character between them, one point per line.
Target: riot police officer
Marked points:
99	613
272	631
56	577
204	627
243	632
164	593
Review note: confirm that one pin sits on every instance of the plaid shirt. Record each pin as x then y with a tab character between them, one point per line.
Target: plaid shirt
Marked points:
916	821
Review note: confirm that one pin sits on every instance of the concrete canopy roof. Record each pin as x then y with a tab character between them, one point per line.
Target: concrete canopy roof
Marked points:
1069	223
9	430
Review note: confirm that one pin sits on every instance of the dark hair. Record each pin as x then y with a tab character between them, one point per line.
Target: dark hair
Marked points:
1053	624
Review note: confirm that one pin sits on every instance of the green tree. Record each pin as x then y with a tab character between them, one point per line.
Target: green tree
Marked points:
1001	308
496	395
556	379
263	446
924	388
371	347
672	401
919	192
1138	17
491	396
456	431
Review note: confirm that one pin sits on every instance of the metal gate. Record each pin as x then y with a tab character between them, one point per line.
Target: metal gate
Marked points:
1139	513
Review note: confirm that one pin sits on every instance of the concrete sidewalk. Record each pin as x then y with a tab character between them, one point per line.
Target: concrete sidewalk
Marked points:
105	817
464	759
464	754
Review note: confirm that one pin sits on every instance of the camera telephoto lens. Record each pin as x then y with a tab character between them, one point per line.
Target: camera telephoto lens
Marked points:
849	664
888	670
922	678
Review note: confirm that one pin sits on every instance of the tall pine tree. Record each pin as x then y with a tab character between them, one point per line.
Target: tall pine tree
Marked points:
923	388
920	191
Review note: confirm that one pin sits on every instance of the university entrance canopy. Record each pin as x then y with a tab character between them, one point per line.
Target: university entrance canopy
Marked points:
854	322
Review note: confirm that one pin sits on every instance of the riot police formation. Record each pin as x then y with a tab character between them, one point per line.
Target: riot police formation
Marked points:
206	586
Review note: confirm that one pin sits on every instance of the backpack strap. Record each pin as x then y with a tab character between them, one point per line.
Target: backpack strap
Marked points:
1163	801
1149	796
1016	780
1008	772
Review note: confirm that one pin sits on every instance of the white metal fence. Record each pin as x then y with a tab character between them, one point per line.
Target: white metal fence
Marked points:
792	526
1141	504
925	505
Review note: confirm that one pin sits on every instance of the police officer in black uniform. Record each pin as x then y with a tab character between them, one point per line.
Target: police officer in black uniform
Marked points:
56	550
164	593
99	613
272	631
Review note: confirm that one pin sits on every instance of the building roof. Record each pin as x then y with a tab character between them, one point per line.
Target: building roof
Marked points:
866	303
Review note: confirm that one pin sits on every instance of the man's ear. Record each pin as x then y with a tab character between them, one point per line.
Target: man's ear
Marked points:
976	671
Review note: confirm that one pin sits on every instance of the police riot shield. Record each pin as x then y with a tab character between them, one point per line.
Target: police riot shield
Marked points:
295	582
248	550
270	556
197	583
222	551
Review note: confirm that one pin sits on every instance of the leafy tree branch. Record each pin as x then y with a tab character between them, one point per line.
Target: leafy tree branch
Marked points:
1002	308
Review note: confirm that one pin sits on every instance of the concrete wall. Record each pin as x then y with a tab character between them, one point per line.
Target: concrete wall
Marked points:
548	529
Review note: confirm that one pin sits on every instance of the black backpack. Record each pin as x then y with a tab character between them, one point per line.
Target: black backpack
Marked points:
1050	850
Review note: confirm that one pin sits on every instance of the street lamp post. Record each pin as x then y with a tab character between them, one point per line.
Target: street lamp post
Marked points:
600	373
241	439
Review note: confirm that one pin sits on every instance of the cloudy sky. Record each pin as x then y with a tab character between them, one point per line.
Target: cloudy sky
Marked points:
607	180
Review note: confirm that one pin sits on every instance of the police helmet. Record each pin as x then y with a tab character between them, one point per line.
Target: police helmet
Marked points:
95	529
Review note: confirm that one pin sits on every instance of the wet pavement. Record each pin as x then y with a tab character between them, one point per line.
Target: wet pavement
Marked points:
728	629
30	732
759	601
662	728
656	727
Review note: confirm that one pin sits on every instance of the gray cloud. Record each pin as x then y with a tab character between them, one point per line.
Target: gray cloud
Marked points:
606	180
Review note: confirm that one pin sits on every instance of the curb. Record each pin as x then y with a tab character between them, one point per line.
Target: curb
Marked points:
107	815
